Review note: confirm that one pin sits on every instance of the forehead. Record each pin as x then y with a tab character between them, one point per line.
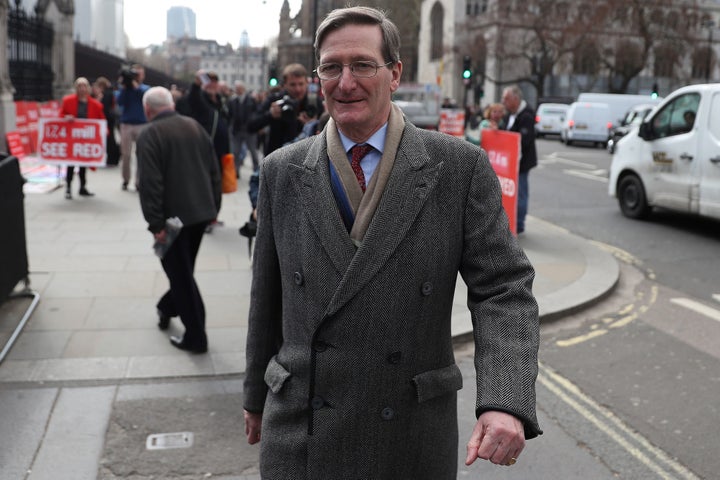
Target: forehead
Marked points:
353	42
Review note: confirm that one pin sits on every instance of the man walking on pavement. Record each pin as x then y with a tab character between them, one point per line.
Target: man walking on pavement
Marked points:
362	230
178	176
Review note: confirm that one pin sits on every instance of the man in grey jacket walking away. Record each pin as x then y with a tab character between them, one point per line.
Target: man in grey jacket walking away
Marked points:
178	176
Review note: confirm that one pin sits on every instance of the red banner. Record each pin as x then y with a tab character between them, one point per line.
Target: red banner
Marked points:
15	145
503	149
452	122
72	142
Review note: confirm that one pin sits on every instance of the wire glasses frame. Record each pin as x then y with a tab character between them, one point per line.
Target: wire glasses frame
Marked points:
359	69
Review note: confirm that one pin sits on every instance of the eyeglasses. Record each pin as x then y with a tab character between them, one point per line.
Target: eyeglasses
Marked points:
359	69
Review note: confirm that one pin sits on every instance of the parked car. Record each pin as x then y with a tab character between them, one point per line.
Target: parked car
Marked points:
632	119
587	122
420	104
672	160
549	119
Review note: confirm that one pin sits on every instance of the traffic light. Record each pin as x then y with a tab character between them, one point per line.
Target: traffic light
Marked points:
654	93
467	70
272	75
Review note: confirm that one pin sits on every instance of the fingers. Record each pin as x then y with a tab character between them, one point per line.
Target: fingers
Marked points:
253	422
497	437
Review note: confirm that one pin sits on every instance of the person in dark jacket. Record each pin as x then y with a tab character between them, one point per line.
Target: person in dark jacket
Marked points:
178	176
288	110
521	119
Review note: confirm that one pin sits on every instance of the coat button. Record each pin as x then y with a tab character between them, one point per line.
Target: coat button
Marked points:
387	413
394	358
426	288
297	276
317	402
320	346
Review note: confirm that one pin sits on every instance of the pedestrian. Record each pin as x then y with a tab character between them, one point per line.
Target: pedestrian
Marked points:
521	118
103	93
80	105
178	176
287	110
242	107
132	118
350	369
209	107
493	116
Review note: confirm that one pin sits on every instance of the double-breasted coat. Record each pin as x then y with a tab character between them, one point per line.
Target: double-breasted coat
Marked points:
349	351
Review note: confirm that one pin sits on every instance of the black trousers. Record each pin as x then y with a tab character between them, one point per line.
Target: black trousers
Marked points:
183	298
69	176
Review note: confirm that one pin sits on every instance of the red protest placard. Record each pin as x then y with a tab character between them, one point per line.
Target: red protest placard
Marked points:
503	149
72	141
452	122
15	144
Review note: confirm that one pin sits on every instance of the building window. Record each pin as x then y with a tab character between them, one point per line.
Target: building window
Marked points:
666	58
586	59
436	31
700	62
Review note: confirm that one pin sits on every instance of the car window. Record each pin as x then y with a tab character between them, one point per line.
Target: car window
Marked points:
676	117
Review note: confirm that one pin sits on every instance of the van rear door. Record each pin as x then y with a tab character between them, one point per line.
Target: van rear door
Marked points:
673	140
709	161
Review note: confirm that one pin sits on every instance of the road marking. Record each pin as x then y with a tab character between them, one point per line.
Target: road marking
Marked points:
716	297
697	307
606	421
554	158
586	175
580	338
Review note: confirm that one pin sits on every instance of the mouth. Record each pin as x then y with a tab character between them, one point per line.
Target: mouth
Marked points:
348	101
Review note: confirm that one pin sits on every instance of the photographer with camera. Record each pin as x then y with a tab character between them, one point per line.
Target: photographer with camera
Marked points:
132	118
287	111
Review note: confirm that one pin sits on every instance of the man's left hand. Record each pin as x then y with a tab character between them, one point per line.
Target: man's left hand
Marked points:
160	236
498	437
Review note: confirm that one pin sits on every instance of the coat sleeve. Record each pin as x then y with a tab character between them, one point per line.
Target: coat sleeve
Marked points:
265	319
504	312
150	173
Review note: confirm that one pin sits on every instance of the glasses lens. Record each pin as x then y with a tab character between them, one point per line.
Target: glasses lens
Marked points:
329	70
364	69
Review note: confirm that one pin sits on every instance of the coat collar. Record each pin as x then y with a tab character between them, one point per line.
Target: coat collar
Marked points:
413	177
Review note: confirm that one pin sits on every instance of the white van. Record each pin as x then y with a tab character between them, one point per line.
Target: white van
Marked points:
673	159
587	122
619	103
549	119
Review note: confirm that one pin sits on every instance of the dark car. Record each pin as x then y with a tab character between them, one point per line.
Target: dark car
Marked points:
632	119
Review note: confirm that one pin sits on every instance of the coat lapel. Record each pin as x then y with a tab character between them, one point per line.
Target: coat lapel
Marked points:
311	178
413	178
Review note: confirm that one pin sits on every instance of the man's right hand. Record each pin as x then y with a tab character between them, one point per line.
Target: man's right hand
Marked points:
253	423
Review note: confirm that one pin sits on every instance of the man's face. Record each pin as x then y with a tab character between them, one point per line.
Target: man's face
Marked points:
140	74
510	101
359	106
82	90
296	87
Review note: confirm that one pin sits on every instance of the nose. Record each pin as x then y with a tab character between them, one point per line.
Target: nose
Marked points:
346	80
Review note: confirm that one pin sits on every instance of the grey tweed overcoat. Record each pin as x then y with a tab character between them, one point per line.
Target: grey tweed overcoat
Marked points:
349	350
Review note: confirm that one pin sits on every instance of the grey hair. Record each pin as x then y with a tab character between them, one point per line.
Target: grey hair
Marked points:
515	91
341	17
157	98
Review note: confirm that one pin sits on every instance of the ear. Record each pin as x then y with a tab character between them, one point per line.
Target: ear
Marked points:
396	74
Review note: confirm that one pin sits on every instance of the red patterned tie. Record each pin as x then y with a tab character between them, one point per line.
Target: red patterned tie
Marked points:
358	152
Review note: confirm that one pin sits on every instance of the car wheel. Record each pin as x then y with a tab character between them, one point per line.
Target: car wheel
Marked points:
632	199
568	142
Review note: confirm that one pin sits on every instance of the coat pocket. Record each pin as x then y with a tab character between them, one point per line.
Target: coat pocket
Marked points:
275	375
435	383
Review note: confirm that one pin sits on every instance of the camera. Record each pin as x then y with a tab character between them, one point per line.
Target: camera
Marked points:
287	107
311	111
127	76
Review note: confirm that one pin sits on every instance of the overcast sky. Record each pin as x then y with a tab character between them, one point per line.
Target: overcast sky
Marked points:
221	20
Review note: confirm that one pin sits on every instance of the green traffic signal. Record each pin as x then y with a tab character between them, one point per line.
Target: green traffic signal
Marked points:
273	82
467	74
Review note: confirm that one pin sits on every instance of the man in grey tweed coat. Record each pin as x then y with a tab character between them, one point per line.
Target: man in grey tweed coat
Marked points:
350	365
